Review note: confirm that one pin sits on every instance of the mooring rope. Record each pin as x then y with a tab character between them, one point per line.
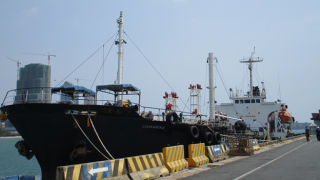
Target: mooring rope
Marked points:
99	137
88	138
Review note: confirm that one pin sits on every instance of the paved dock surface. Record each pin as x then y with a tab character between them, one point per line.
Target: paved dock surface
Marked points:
295	159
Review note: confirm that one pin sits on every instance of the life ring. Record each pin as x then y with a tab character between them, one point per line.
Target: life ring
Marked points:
172	118
208	138
216	138
194	132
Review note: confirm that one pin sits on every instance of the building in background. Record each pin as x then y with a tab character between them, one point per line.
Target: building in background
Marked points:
34	84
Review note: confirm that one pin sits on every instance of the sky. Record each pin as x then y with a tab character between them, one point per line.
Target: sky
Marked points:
175	37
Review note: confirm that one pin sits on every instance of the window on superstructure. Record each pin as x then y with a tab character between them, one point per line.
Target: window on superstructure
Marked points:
253	101
247	101
241	101
257	100
236	101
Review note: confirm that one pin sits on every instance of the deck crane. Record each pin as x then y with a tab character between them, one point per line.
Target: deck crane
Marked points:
80	79
18	65
48	82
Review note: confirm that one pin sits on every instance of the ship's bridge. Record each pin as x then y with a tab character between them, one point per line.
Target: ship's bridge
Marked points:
248	100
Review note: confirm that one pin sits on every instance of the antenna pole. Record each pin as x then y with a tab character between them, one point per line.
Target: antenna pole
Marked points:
120	53
250	61
211	87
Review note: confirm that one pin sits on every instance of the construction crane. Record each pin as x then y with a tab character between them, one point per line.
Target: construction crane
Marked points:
18	64
43	55
80	79
49	55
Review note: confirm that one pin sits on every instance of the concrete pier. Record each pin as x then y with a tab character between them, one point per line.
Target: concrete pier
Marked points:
291	159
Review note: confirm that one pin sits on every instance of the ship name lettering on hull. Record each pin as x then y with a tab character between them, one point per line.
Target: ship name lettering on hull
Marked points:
115	111
152	127
248	116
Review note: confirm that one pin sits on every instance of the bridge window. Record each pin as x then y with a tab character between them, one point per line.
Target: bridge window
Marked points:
247	101
236	101
257	100
253	101
241	101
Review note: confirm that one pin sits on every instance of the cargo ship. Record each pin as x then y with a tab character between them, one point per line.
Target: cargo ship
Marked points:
87	129
268	120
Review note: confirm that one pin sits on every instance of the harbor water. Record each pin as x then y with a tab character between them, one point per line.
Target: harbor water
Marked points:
11	163
297	131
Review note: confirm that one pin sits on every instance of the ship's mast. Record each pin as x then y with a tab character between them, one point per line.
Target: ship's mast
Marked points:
120	52
250	61
211	87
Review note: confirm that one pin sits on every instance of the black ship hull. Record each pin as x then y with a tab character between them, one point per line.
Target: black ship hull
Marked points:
52	134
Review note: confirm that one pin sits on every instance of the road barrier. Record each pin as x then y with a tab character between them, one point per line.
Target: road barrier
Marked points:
197	154
226	148
255	145
149	166
112	169
174	158
21	177
216	153
277	141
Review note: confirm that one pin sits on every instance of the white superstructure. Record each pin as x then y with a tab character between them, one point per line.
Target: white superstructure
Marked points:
254	109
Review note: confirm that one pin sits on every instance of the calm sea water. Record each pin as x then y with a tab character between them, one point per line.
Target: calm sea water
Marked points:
298	131
11	163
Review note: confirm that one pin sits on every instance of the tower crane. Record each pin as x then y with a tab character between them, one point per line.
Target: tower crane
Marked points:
18	64
43	55
80	79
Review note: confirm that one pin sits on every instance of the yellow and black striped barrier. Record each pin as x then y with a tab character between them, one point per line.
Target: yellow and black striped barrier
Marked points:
174	158
149	166
197	154
112	169
276	141
255	145
216	153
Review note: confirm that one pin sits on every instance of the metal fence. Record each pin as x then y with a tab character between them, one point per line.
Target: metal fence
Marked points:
241	146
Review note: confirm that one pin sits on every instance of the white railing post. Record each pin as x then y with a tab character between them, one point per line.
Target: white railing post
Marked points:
41	95
27	96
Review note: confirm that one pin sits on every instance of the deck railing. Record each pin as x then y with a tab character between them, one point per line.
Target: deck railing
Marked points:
44	95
